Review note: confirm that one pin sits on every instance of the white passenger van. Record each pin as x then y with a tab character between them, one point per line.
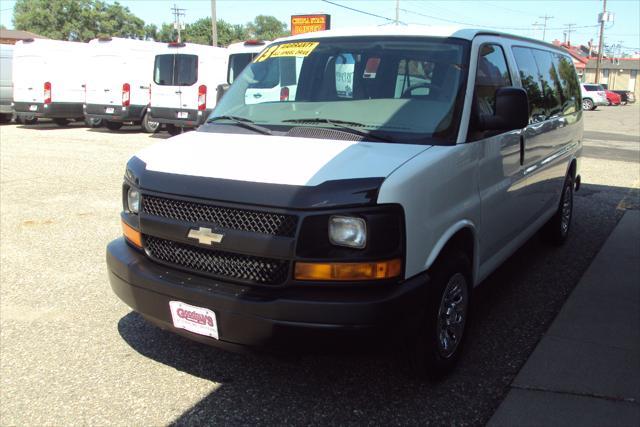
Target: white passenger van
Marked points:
6	83
48	79
183	88
371	212
119	81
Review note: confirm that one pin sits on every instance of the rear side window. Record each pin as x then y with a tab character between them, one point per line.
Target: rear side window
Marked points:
237	63
492	74
570	86
176	70
550	82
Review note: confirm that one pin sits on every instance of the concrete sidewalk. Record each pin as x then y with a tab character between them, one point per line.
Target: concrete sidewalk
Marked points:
586	370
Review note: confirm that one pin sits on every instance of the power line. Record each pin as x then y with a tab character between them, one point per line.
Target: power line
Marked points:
362	11
484	26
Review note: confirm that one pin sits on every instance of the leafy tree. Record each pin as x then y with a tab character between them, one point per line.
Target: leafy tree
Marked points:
267	28
150	32
79	20
166	33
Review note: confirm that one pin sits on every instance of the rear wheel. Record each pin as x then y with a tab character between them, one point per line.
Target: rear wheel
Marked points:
112	125
587	104
149	125
29	120
174	130
5	118
434	348
93	122
61	121
556	230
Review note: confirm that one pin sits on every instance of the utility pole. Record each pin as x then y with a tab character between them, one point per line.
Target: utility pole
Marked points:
544	26
568	32
177	14
214	24
397	12
601	46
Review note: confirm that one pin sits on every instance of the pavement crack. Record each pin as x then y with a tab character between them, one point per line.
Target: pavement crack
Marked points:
578	394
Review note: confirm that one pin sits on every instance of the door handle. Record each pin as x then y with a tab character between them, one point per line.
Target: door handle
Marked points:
144	87
107	90
522	148
257	95
178	92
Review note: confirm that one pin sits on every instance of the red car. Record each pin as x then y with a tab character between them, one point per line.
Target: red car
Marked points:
613	98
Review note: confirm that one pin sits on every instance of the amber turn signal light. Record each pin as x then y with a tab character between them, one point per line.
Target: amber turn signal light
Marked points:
132	235
352	271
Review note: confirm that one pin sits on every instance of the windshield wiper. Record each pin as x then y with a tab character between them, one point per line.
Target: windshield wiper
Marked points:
242	122
345	126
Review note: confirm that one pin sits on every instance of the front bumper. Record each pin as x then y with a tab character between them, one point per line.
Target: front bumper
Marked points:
133	113
267	318
194	118
54	110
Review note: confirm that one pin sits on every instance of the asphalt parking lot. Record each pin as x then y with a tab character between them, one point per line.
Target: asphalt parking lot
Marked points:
72	353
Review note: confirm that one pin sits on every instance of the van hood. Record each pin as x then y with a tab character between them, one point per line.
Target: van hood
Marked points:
275	159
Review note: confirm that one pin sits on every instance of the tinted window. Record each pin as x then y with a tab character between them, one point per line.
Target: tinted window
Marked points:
237	62
592	88
492	74
264	76
176	70
550	82
569	84
530	78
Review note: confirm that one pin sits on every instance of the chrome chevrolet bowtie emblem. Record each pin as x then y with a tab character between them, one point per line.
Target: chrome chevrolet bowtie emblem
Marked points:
205	236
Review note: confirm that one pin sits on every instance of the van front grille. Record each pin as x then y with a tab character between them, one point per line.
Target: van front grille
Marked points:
227	218
223	265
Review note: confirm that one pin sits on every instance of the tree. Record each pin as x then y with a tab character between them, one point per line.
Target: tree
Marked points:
78	20
266	27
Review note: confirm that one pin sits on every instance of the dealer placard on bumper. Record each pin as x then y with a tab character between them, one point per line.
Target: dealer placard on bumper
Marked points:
194	319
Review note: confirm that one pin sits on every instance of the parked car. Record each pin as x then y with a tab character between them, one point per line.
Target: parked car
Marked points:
612	98
185	78
119	82
593	96
6	83
48	79
371	212
626	96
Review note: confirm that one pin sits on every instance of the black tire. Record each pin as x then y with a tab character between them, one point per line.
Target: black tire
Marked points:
93	122
148	125
5	118
112	125
29	120
425	351
556	230
587	104
174	130
61	121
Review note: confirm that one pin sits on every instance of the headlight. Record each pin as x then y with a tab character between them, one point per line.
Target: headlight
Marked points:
133	200
348	231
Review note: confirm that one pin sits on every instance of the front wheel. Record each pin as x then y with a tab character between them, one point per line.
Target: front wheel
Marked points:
587	104
556	230
149	125
434	348
112	125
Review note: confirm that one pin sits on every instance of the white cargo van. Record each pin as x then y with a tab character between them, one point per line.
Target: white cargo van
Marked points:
410	163
48	79
183	88
6	83
118	81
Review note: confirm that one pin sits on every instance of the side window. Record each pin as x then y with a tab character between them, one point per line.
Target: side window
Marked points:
549	80
492	73
530	78
237	63
413	78
569	84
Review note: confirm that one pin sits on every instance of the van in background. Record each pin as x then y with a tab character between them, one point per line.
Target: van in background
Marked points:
119	80
6	84
185	78
48	79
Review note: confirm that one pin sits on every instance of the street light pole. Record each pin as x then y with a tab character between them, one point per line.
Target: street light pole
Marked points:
600	46
214	24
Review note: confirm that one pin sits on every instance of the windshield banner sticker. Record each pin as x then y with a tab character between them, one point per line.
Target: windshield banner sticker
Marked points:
288	49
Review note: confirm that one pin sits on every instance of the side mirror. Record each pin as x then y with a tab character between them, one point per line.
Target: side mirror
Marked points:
511	112
221	90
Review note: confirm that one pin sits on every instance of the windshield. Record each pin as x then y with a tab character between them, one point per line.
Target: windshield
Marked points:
409	89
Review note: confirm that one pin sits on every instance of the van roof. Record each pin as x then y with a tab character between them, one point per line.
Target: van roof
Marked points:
460	32
119	41
194	48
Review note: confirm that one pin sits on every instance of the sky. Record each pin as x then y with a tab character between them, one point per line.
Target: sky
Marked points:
514	16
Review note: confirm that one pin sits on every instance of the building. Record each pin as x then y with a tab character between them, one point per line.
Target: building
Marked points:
12	36
616	73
